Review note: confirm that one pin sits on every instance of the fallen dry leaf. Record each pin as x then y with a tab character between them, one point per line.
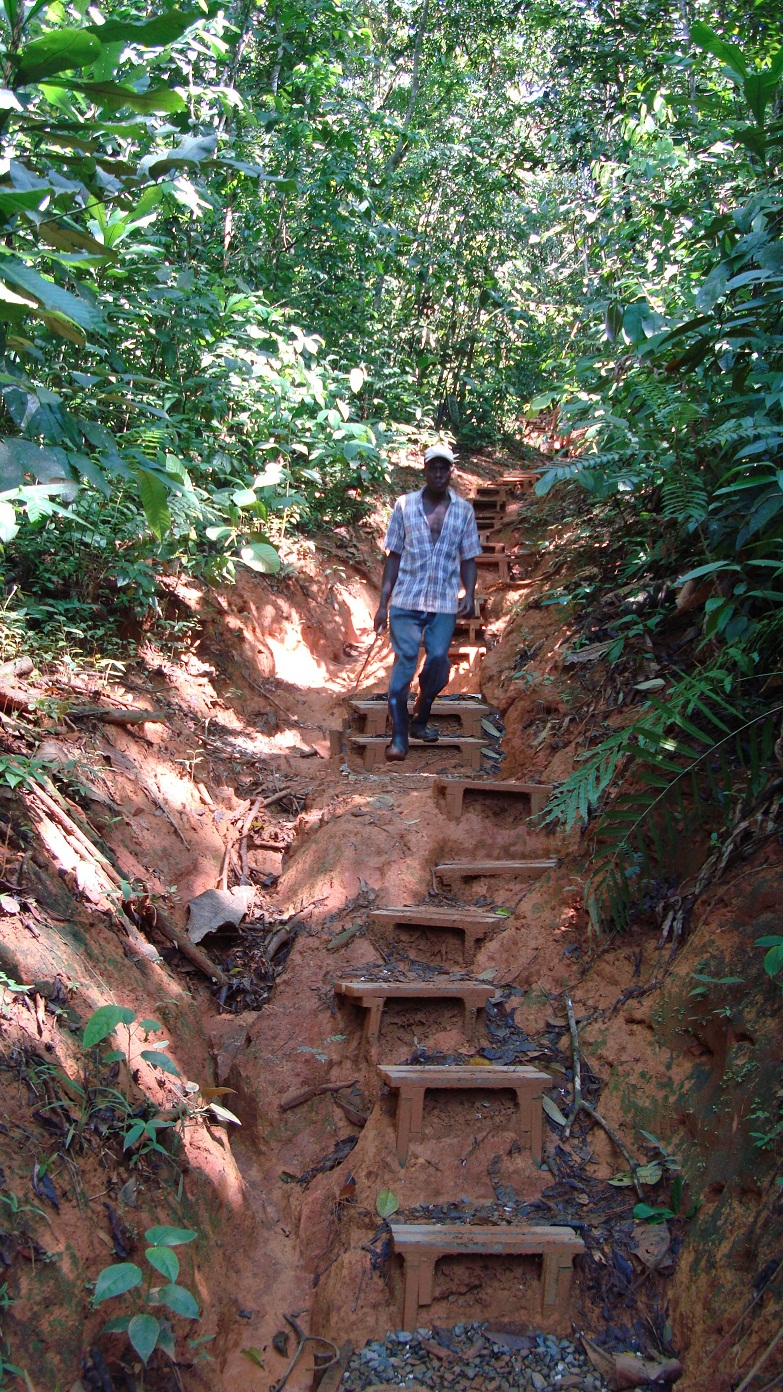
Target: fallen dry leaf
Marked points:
623	1371
217	907
650	1243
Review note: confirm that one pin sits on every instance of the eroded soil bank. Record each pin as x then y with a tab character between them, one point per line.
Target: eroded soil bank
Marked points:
682	1059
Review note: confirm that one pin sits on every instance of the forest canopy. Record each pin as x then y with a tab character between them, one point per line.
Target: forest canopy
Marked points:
248	248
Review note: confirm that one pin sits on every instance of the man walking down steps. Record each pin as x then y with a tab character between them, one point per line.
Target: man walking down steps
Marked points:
431	544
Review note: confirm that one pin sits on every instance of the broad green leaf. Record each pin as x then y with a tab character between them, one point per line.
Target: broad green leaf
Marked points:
191	151
12	200
386	1203
66	238
758	91
152	33
705	38
143	1331
160	1060
113	96
63	327
164	1236
154	499
356	379
166	1340
178	1299
116	1280
650	1173
165	1260
104	1021
59	51
118	1325
50	296
260	556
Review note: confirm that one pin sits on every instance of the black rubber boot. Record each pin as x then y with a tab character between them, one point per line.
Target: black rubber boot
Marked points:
419	728
398	710
434	676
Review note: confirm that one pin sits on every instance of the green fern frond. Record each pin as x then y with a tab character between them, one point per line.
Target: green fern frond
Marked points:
684	498
654	764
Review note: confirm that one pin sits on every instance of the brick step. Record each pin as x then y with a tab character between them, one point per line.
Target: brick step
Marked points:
412	1083
473	924
474	869
422	1244
455	789
470	714
372	996
374	747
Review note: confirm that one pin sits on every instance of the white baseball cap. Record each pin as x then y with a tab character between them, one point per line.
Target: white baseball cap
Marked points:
438	452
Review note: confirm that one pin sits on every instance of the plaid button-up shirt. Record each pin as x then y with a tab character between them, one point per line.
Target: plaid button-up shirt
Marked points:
429	576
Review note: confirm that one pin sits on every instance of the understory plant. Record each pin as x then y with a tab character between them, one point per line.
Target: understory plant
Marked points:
147	1331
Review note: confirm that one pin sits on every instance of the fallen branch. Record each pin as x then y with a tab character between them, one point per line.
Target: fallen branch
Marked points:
117	715
299	1098
196	955
278	940
56	810
342	939
11	694
581	1105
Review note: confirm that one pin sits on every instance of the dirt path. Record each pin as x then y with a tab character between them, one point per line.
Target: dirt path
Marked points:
291	1208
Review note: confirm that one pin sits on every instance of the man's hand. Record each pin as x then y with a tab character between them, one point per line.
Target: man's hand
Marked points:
381	618
467	607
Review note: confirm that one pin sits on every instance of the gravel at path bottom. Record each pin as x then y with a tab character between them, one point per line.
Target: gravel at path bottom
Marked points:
471	1358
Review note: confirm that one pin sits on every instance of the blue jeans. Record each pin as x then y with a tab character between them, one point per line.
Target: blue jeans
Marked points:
407	629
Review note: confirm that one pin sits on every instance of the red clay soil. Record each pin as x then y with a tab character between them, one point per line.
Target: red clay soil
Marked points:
248	710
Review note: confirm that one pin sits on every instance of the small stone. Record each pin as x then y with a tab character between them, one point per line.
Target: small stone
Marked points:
538	1382
403	1337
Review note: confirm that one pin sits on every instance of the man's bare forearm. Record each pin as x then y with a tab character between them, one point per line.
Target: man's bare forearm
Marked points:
468	571
390	572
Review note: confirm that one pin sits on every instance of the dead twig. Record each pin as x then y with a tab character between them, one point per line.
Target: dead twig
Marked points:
161	808
759	1364
259	803
304	1339
580	1104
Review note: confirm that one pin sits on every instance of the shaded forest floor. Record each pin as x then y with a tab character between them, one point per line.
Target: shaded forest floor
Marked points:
680	1062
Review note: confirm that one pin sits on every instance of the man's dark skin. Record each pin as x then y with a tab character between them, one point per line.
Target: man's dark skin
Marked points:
435	501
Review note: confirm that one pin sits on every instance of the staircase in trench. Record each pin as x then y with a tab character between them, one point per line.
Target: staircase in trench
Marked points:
467	1356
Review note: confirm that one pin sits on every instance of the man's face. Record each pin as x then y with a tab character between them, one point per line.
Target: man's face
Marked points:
438	474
